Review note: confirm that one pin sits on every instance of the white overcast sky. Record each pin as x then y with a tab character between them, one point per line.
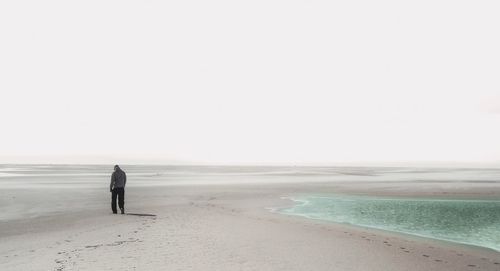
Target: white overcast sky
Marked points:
261	81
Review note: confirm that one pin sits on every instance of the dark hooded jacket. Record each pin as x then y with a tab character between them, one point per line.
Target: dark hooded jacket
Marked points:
118	179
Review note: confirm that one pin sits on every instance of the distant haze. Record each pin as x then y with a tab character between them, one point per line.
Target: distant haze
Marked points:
250	82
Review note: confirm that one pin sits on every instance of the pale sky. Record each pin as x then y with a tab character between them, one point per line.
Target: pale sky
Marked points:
228	82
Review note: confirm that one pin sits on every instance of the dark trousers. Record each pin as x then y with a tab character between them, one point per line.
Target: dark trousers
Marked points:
120	192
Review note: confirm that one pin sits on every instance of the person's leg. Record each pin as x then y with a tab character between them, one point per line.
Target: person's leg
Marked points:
121	199
114	193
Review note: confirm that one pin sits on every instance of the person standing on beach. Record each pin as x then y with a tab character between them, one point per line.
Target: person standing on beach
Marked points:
117	188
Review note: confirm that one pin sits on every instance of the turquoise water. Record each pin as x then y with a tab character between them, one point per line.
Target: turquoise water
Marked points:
474	222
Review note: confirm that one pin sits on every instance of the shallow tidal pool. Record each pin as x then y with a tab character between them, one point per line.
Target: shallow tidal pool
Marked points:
474	222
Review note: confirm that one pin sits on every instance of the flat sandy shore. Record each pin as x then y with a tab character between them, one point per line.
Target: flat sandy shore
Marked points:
220	228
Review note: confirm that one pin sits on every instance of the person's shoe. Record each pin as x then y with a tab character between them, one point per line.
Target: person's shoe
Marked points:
123	210
114	213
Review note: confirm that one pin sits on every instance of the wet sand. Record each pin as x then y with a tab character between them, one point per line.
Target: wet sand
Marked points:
227	227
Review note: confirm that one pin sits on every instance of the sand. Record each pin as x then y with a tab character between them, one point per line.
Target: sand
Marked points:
221	227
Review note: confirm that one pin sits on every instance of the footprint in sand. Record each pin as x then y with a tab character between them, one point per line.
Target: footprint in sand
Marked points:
94	246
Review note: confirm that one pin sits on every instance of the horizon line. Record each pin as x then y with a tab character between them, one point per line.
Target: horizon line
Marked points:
332	164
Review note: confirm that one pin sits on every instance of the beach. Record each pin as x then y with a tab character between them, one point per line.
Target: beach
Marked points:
225	226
